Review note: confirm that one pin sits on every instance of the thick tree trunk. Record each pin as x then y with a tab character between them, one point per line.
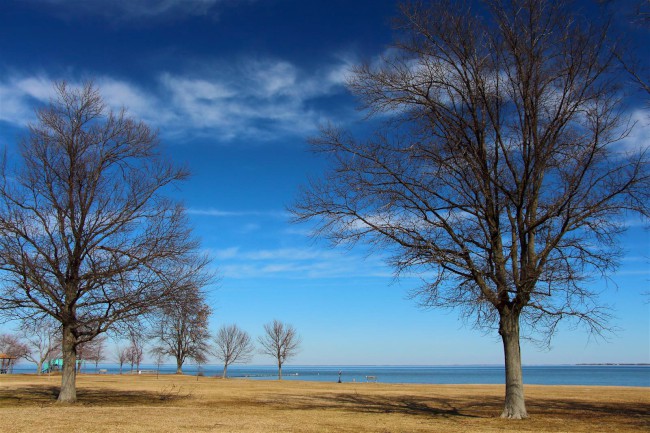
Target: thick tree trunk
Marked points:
515	405
179	366
279	371
39	368
225	371
68	393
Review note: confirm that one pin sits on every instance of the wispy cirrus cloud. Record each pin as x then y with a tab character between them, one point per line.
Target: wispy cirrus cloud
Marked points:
639	137
218	213
19	95
298	263
127	10
253	98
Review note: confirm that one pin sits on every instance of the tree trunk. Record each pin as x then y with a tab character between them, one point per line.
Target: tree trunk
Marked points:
39	368
515	405
68	393
225	371
179	366
279	371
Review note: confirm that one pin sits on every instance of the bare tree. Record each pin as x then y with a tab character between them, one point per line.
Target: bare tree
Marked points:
43	337
137	340
93	350
135	356
12	345
159	357
232	345
497	174
86	236
279	341
121	355
181	327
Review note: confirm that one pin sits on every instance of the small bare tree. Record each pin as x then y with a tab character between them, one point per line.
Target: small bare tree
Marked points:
232	345
159	356
93	351
86	235
135	356
497	173
121	355
43	336
279	341
12	345
135	351
181	326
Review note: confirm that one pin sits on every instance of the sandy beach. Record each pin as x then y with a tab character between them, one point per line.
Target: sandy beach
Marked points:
170	403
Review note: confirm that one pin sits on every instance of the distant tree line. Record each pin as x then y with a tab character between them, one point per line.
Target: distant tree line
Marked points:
186	337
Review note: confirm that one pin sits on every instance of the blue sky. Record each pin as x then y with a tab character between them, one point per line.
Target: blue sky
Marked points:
235	87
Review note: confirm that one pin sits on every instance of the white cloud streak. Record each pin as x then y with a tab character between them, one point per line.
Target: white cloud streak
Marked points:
297	263
217	213
253	99
127	10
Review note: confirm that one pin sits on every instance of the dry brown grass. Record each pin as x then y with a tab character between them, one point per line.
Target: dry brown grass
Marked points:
185	404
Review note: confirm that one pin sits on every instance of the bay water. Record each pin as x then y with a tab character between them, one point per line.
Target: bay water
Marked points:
596	375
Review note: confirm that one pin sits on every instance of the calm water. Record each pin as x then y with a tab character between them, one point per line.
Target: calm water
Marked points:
614	375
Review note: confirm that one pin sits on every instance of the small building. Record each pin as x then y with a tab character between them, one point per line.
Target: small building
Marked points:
6	363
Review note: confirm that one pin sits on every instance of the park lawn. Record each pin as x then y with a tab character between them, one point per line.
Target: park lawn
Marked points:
171	403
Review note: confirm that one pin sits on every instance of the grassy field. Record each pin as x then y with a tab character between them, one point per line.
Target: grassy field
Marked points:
111	403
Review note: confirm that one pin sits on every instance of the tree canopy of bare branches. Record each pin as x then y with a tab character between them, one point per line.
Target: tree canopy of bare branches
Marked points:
232	345
181	327
280	341
86	235
497	172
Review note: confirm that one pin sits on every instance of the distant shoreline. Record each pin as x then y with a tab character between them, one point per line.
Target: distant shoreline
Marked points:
610	374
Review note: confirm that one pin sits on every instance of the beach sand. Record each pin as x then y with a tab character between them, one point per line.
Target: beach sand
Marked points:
112	403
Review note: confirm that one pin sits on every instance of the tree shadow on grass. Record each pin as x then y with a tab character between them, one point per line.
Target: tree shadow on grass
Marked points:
409	405
587	409
46	395
405	404
634	414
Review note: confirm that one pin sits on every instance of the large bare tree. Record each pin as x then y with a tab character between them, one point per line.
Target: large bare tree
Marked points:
232	345
495	170
280	341
86	235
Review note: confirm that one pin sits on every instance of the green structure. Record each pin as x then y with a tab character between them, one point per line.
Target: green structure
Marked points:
56	365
